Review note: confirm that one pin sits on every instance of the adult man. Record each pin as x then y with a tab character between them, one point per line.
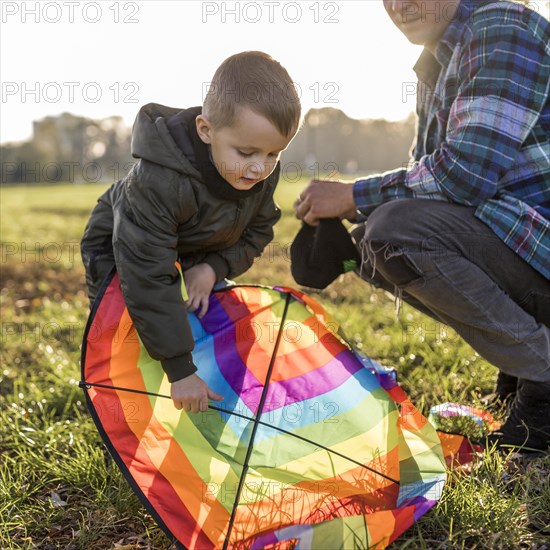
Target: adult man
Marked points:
463	232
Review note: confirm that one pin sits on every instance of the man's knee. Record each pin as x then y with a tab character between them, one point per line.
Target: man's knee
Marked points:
393	221
390	238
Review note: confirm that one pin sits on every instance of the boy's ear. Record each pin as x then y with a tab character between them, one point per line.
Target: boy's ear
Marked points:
204	128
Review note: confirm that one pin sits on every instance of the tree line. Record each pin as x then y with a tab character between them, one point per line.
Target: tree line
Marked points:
75	149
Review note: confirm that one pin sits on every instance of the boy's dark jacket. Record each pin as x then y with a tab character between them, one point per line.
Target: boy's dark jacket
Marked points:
163	211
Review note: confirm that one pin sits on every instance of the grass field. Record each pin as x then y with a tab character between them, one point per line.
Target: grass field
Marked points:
58	489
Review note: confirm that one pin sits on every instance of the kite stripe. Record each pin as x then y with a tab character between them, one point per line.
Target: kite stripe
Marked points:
255	427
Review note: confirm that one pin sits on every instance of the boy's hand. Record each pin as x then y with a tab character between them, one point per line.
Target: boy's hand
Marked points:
199	282
191	394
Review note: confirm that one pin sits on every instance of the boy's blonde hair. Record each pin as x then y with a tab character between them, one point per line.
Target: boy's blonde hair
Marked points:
257	81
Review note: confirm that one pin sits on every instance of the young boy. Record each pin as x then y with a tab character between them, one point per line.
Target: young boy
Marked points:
201	194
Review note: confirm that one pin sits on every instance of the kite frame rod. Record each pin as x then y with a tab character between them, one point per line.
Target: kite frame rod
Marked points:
86	385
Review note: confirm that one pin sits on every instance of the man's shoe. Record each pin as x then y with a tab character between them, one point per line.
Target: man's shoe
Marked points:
506	386
528	425
505	391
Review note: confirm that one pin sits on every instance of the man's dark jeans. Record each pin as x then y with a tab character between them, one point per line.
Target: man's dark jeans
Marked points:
450	265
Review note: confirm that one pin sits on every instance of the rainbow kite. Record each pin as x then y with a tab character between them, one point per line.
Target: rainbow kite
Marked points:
313	446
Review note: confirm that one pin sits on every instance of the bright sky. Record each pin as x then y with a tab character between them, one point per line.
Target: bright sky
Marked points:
110	57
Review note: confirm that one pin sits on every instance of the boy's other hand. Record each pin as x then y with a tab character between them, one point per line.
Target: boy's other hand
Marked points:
192	394
325	199
199	282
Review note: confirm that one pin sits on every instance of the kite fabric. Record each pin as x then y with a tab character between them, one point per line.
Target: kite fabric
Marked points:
314	446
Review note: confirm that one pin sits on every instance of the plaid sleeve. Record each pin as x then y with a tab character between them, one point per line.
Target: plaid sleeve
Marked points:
370	192
503	74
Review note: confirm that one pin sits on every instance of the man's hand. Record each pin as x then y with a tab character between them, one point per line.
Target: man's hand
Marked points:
199	282
192	394
325	199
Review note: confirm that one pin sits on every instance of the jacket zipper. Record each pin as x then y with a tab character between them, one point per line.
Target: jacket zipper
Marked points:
237	216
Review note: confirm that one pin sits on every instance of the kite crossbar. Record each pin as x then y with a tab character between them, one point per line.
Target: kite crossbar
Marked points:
87	385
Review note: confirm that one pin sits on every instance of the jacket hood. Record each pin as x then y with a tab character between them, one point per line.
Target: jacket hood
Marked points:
152	141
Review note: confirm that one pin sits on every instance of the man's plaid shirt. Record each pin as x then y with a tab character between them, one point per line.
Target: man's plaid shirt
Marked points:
483	135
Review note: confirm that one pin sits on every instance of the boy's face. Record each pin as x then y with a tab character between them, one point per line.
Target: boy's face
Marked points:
246	152
422	22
